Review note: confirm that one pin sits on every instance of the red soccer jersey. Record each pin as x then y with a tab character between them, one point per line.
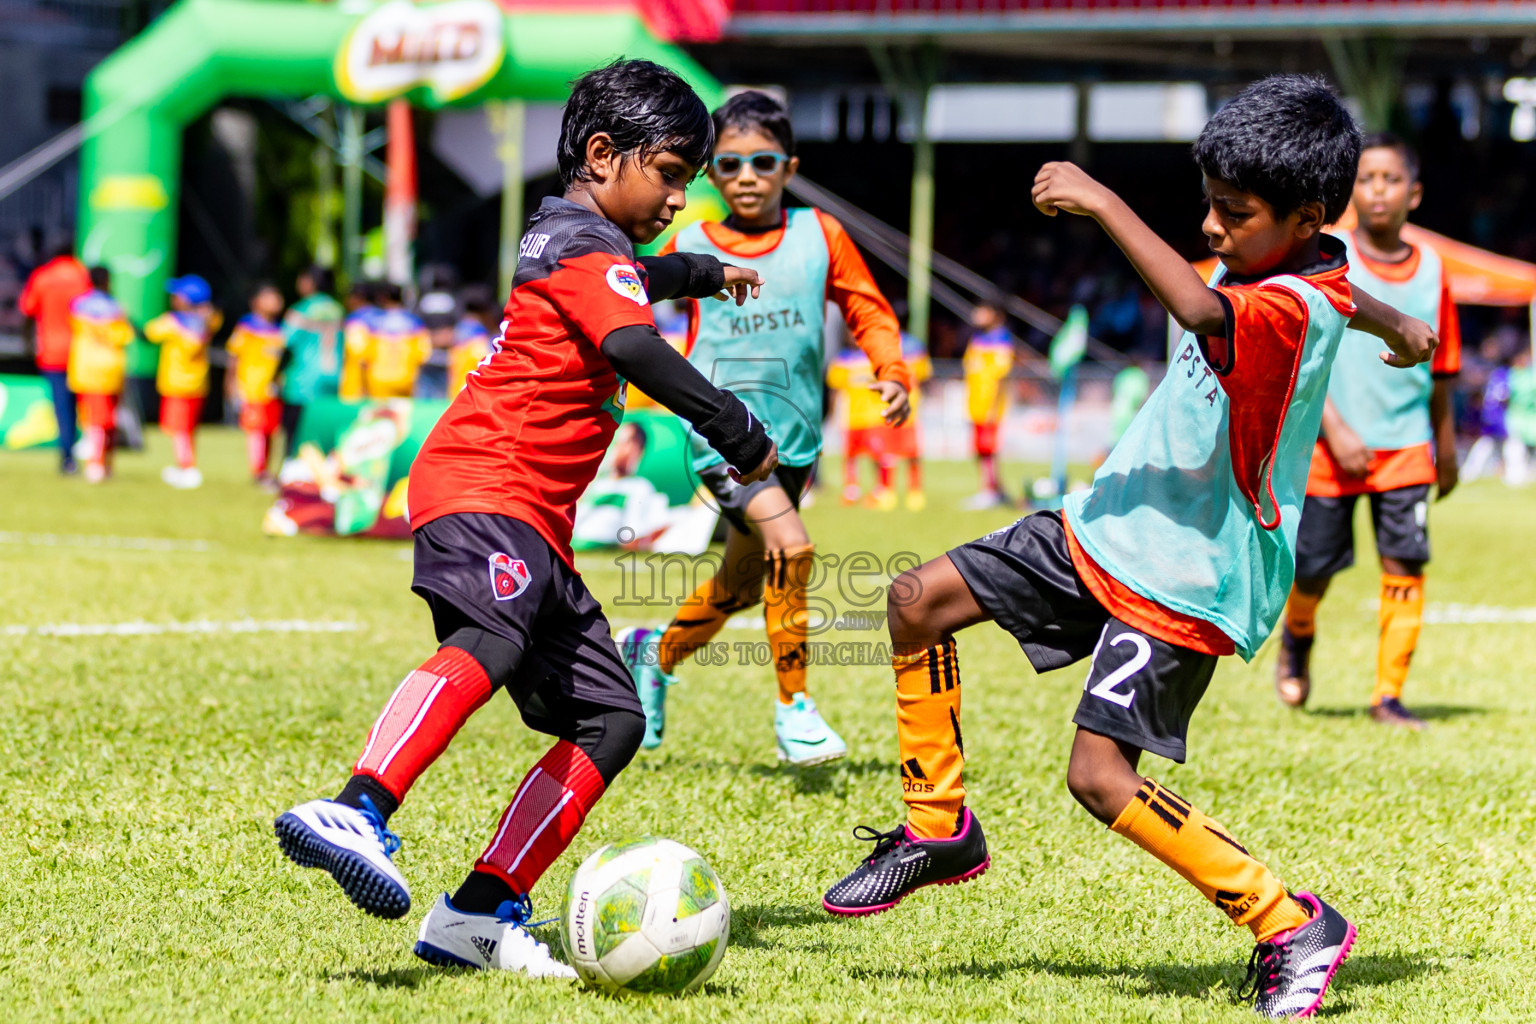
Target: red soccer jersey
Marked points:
526	435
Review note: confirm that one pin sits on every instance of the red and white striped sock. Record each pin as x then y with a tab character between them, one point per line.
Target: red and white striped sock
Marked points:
543	817
422	716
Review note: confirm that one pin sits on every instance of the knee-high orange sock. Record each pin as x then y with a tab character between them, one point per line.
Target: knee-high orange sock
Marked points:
785	608
1301	613
1401	615
928	731
1198	848
698	620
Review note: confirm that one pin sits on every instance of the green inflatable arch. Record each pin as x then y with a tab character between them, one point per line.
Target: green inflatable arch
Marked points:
451	53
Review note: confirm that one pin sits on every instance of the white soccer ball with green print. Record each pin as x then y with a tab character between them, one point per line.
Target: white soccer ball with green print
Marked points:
648	916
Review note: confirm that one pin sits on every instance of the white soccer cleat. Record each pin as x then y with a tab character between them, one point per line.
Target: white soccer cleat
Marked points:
187	479
496	942
354	846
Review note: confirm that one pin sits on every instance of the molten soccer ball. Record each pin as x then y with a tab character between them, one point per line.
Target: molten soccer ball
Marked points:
645	916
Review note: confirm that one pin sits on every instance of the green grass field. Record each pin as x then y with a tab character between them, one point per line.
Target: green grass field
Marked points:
139	879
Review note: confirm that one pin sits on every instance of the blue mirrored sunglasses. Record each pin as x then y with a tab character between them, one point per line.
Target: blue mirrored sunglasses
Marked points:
767	161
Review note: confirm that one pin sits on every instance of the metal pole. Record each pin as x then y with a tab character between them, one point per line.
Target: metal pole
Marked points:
351	191
920	258
512	117
325	206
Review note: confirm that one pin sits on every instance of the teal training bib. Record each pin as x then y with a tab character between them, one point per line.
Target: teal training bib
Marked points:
1386	406
1167	515
769	351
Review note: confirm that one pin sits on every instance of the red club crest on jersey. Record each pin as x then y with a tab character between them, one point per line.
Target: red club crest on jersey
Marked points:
509	576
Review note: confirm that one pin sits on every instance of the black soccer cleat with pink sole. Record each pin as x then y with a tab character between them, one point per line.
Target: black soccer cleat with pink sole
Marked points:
1289	975
902	863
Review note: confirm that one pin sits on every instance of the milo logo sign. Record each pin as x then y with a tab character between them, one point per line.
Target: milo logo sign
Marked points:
450	49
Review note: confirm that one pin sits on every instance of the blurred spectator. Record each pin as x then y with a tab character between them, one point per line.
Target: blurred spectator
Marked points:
397	347
98	363
45	300
312	334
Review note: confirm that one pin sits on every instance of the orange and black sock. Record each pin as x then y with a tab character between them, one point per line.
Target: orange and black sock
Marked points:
786	611
1301	614
1401	616
698	620
928	731
1198	848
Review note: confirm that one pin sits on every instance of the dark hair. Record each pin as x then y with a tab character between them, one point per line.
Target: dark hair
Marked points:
264	286
364	289
477	298
62	246
323	279
643	107
1288	140
387	291
101	278
756	111
1387	140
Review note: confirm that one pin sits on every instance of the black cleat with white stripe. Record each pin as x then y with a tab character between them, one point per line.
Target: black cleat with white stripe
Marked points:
1289	974
901	863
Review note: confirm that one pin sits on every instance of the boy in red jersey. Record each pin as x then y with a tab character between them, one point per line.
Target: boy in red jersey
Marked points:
493	496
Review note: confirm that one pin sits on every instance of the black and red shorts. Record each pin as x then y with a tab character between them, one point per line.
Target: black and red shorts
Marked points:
498	574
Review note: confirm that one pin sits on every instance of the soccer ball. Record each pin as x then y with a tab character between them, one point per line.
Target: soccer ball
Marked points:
648	916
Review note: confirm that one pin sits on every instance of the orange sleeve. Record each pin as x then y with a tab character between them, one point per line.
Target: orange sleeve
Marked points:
870	318
1446	361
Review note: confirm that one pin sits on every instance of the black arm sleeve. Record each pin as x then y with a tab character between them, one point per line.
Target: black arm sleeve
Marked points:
642	357
682	275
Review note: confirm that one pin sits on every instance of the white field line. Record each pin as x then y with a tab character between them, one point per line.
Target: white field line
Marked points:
203	626
1452	614
1467	614
107	541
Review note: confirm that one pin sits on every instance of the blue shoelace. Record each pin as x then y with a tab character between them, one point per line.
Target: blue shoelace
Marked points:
387	839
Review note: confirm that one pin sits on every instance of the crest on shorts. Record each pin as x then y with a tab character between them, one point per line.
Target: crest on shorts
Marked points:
625	280
509	576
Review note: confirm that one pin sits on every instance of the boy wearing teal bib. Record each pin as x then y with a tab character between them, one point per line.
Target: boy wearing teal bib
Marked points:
1183	548
1387	434
772	355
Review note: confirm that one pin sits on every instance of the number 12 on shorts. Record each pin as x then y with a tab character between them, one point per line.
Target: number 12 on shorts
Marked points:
1107	688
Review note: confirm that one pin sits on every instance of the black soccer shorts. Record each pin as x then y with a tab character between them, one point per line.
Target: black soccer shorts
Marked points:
499	574
1325	539
731	498
1140	689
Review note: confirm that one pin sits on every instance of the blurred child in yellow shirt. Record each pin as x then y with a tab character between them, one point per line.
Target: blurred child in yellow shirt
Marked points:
356	336
988	360
903	442
864	412
257	346
100	333
471	339
398	344
183	334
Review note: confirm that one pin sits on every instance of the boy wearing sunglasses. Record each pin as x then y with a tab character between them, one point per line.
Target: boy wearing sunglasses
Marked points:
773	355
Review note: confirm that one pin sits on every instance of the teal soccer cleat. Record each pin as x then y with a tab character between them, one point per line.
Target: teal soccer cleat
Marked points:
637	646
804	736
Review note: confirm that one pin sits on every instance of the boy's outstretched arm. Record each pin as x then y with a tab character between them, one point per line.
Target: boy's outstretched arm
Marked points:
690	275
643	357
1064	186
1411	341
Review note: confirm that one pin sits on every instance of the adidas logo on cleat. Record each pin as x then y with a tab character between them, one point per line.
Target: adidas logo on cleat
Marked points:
487	947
